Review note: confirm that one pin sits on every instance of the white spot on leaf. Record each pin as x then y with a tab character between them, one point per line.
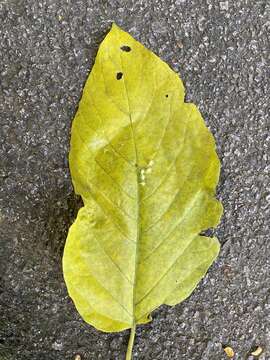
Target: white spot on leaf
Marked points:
97	143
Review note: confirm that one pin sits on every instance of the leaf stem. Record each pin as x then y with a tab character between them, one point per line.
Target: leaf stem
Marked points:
131	342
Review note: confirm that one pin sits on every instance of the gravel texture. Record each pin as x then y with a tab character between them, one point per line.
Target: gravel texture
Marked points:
47	48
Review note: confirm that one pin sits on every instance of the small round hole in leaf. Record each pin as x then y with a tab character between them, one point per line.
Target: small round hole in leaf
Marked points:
125	48
119	75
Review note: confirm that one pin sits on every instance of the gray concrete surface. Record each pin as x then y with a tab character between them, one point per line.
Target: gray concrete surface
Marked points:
47	47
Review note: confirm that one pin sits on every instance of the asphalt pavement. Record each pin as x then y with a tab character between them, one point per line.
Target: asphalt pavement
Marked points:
47	48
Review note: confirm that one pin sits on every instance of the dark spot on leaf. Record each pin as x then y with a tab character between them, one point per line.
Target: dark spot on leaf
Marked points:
125	48
119	75
167	95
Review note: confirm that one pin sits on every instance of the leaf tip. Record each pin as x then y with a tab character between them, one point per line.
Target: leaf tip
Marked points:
115	27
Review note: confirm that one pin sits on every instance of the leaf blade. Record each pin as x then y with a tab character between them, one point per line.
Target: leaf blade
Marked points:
146	197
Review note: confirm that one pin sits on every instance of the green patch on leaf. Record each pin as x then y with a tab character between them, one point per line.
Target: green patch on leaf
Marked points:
146	168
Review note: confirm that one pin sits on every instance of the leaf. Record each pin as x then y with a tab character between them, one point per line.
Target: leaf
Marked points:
145	165
229	351
257	352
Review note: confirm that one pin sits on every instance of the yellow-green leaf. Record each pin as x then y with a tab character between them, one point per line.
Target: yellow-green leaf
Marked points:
146	167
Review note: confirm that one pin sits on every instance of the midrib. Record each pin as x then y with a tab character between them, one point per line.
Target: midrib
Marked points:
138	225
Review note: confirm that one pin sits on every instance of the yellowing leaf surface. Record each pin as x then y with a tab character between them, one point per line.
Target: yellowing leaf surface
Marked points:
146	167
